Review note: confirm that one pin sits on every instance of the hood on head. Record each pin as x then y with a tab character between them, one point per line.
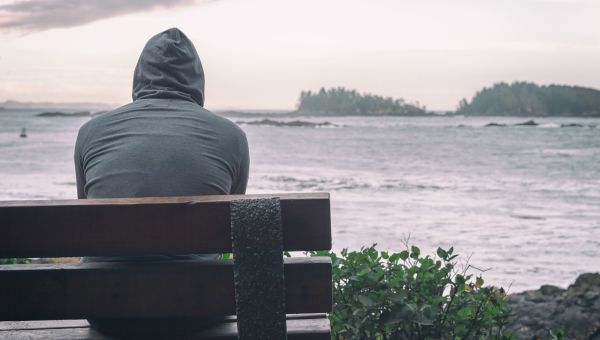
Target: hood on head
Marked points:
169	67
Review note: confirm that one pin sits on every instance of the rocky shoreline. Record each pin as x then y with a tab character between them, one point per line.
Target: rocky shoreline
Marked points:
576	310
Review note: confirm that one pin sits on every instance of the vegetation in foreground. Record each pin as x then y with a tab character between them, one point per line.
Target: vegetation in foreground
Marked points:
381	295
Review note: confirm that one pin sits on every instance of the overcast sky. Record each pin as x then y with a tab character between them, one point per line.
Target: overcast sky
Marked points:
259	54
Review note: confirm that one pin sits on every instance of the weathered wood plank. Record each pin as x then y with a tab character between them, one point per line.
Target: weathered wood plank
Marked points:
160	200
298	328
305	329
42	324
148	289
144	226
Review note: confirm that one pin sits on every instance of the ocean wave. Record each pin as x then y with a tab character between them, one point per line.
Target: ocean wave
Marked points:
70	183
529	217
289	183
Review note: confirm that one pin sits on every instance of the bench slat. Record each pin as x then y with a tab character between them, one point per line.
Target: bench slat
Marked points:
144	226
298	328
148	289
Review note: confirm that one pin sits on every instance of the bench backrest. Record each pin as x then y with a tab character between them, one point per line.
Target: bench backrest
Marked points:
150	226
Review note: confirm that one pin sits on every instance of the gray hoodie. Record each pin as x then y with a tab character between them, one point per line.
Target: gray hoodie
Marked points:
164	143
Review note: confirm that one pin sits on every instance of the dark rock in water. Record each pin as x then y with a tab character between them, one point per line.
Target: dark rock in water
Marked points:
64	114
295	123
23	133
528	123
575	309
571	125
495	124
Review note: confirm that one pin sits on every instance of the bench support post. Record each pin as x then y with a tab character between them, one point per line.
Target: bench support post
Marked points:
258	268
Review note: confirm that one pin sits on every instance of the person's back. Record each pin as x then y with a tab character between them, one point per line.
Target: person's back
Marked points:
163	144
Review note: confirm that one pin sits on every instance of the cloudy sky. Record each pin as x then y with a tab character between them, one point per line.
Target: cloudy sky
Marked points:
259	54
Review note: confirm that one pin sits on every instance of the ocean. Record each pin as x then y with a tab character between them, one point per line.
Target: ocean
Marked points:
520	202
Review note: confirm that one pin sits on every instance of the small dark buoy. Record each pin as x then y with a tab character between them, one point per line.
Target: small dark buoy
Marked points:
23	133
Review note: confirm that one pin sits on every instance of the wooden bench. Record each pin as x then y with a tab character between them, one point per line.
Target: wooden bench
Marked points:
269	294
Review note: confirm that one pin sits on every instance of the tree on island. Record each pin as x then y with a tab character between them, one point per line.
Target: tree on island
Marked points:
527	99
340	101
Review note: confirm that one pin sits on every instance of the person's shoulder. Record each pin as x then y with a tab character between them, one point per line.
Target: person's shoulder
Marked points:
96	122
226	124
231	134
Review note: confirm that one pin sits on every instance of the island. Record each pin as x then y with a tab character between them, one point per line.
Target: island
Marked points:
525	99
340	101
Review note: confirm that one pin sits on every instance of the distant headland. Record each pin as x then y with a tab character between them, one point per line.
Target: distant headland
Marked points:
523	99
518	99
56	106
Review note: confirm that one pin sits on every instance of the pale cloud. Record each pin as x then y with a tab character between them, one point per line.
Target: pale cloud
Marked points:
39	15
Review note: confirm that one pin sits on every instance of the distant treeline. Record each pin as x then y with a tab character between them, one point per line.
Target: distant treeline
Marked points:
340	101
529	99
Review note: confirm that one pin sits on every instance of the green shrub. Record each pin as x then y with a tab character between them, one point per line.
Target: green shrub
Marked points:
381	295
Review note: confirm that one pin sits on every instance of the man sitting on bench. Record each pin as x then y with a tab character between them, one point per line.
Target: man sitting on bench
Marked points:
164	143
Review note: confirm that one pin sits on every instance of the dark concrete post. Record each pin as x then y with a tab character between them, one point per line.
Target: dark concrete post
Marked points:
258	268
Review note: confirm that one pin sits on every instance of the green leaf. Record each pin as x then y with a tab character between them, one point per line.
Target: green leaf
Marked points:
397	298
415	252
442	253
479	282
404	255
364	272
423	320
366	301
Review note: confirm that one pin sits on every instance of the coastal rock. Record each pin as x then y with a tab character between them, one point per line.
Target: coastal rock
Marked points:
495	124
294	123
550	308
64	114
528	123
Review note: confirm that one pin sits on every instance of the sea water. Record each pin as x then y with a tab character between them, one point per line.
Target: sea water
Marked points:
520	202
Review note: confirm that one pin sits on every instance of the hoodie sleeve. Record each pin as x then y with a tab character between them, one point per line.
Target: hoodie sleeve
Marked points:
79	173
240	183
